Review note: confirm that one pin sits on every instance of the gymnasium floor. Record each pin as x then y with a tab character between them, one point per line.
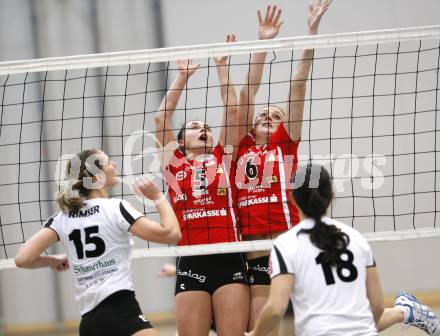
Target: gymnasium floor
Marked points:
286	330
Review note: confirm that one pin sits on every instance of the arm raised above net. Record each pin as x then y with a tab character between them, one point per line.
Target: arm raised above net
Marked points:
268	28
295	108
229	134
164	128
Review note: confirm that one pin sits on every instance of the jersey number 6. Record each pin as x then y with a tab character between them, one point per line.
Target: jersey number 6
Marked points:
99	243
251	168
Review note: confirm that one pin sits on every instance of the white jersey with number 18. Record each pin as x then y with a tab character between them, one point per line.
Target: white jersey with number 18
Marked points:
98	248
327	300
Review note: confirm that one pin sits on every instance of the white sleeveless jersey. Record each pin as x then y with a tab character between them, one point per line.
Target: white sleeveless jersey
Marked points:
98	247
327	300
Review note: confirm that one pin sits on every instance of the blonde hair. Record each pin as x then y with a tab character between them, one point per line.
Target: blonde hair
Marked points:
279	109
71	198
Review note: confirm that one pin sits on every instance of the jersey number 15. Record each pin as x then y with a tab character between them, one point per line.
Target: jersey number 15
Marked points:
99	243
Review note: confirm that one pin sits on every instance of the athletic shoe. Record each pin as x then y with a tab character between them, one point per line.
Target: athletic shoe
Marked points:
417	314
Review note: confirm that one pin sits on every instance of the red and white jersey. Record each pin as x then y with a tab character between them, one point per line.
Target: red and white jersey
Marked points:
262	177
202	196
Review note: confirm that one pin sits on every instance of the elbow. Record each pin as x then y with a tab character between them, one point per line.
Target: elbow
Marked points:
160	118
232	112
275	311
279	311
175	236
19	262
275	315
381	310
245	94
245	103
230	100
249	91
300	83
22	261
378	310
172	234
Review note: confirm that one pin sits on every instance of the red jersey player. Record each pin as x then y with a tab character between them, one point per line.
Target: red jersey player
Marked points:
267	157
201	193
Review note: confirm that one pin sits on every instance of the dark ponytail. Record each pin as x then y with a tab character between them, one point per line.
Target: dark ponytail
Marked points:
313	196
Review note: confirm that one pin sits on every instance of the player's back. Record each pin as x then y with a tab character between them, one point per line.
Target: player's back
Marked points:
327	300
96	241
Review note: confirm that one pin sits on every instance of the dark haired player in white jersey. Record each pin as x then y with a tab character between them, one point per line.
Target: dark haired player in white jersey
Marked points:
328	270
202	194
94	230
267	155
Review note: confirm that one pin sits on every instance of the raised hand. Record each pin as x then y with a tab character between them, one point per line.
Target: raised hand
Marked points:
270	26
222	60
186	67
316	11
146	188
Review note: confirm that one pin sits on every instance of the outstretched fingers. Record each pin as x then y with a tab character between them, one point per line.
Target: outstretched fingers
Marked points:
260	18
327	4
231	38
222	60
270	26
323	8
266	19
276	21
272	13
320	7
187	66
315	13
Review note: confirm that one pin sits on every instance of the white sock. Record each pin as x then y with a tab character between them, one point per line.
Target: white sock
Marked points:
406	312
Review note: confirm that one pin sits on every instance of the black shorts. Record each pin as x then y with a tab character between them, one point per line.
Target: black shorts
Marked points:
119	314
258	271
209	272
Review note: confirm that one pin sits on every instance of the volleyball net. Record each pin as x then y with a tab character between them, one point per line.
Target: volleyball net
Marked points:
370	118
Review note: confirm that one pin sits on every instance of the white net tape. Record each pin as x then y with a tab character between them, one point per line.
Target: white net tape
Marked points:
220	49
256	245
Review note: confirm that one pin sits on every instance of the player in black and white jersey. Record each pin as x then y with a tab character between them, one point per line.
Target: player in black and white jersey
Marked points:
328	270
94	230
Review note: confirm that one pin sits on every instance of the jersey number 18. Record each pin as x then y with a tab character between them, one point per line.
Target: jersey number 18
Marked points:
350	273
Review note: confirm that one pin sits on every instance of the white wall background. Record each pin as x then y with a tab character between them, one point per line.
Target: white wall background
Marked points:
66	28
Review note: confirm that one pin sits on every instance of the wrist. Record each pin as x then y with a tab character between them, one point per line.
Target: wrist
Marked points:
221	62
159	200
48	261
263	37
183	75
